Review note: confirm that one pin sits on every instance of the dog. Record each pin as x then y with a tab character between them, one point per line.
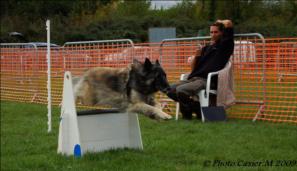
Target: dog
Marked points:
130	89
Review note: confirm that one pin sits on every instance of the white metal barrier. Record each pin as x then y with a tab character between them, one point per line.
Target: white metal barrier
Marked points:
286	60
84	54
20	59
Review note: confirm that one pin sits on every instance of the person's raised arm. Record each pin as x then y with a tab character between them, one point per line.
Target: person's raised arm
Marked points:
228	32
226	23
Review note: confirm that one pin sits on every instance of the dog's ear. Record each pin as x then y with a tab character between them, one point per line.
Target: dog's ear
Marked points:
136	64
157	62
147	64
135	61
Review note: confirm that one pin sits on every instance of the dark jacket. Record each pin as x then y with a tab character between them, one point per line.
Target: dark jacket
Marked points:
214	57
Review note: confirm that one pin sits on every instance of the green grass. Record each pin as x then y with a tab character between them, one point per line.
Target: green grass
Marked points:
168	145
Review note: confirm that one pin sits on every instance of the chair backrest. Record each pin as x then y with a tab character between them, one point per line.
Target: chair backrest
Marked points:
214	75
225	94
228	65
212	79
184	76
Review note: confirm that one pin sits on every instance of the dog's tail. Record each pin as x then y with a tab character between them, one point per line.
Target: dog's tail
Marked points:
75	80
76	83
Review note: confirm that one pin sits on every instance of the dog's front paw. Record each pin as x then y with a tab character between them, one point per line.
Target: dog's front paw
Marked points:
164	116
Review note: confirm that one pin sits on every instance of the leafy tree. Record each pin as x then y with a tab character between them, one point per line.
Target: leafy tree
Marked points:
78	20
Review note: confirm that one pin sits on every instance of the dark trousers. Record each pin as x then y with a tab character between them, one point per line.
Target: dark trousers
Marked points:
183	92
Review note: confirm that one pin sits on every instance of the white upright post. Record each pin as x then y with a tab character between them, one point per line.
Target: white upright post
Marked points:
49	98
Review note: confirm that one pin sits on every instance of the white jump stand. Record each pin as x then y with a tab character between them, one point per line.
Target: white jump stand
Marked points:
79	134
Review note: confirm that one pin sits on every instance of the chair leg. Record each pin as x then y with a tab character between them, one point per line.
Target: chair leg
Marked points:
177	111
202	116
204	102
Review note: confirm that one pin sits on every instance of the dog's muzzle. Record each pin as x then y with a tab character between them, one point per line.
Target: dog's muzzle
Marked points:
166	90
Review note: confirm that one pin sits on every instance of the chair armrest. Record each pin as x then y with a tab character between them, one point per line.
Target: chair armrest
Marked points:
208	82
211	74
184	76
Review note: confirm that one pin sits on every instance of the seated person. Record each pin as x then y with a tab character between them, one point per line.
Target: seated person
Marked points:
210	58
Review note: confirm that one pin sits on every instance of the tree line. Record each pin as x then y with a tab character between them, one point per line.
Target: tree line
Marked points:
78	20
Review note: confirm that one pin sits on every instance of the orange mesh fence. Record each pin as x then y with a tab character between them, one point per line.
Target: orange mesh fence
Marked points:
19	72
281	81
265	71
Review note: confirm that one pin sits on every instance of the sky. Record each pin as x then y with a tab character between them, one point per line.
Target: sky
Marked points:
170	3
164	3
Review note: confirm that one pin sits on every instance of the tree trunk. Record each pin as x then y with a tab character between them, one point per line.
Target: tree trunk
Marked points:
212	9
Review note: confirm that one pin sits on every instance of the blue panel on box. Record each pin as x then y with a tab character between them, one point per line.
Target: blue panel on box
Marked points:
77	150
214	113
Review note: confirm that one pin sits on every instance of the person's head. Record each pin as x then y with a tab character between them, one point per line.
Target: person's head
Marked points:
216	31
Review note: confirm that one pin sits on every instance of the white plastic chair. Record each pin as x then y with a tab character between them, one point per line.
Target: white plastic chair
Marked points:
204	93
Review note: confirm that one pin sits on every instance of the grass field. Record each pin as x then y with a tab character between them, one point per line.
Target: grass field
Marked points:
168	145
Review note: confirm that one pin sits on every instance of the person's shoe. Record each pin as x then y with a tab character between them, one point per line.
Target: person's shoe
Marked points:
187	118
198	115
172	95
186	112
196	109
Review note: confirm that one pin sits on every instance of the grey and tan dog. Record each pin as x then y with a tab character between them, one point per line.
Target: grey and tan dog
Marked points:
130	89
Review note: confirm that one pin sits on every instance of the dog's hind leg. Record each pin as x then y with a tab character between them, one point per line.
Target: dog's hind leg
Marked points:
157	104
81	91
148	110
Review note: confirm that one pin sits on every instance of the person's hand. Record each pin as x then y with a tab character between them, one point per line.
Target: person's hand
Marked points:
190	59
227	23
198	52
